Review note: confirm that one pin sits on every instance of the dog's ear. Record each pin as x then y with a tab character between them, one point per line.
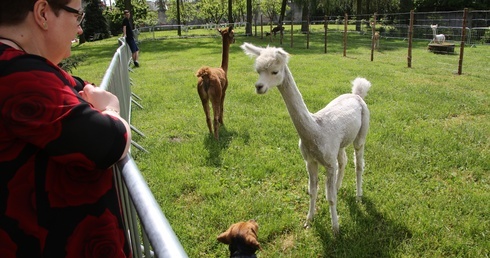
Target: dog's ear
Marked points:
226	237
251	234
251	240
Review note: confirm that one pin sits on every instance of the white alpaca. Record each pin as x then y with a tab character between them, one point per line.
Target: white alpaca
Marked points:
323	135
437	38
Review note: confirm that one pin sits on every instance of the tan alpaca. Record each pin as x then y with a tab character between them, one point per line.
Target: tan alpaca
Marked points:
376	40
212	83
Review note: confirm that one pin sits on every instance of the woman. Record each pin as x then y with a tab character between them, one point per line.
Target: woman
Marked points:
58	141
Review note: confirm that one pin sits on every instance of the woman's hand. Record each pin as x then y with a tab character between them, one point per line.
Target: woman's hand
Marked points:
101	100
108	103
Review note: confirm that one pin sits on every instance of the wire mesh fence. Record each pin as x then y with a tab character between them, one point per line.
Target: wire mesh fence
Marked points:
388	25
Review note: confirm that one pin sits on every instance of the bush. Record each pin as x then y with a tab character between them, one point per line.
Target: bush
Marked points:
95	22
71	62
486	37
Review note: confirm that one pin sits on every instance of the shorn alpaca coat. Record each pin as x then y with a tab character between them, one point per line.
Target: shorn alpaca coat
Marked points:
213	82
323	135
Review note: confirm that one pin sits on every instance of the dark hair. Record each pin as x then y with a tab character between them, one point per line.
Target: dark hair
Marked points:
18	10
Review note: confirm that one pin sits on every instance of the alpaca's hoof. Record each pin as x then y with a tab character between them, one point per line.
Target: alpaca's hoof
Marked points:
306	225
359	198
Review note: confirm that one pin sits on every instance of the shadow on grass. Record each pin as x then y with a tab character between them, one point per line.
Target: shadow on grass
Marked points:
370	234
215	147
179	45
94	51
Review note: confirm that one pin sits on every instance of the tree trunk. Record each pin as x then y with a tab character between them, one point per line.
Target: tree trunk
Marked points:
283	12
248	27
128	6
179	31
358	13
304	16
230	11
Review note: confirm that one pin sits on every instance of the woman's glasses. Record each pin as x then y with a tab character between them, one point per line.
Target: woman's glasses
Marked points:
80	14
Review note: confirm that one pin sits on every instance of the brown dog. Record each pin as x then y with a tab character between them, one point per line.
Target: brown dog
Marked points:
241	238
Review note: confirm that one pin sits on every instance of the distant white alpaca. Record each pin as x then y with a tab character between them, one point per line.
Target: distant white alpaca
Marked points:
437	38
323	135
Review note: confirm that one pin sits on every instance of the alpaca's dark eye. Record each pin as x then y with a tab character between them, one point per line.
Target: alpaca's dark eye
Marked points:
274	73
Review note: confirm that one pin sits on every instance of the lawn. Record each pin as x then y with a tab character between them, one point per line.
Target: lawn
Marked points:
426	181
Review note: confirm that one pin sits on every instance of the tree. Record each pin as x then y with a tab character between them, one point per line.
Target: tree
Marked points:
179	31
127	5
305	15
406	5
230	11
449	5
212	11
248	28
139	14
284	5
271	8
151	19
358	14
240	10
162	5
94	21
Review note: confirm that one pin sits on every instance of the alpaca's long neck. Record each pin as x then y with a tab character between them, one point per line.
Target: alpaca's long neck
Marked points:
301	117
225	54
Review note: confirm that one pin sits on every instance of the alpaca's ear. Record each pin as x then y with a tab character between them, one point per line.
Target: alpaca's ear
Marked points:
282	55
251	50
230	28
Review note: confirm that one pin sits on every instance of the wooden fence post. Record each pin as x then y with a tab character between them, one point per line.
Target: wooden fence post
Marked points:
292	29
261	28
308	32
345	34
270	32
281	32
410	35
463	38
373	28
326	29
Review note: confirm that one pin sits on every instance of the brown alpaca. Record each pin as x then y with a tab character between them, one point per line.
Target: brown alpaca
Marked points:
212	83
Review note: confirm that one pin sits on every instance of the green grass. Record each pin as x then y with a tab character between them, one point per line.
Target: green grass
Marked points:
426	183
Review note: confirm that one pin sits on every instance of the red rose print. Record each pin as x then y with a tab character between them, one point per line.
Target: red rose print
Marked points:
21	202
97	237
7	246
10	149
67	76
34	112
78	183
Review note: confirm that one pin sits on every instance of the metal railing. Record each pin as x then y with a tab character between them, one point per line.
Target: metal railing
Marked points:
149	231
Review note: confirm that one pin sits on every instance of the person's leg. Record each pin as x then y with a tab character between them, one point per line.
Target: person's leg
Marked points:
135	58
134	51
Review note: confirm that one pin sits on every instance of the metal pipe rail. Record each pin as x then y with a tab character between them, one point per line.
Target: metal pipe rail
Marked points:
163	239
156	237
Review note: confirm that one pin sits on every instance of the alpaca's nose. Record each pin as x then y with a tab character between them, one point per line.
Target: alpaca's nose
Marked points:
259	86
